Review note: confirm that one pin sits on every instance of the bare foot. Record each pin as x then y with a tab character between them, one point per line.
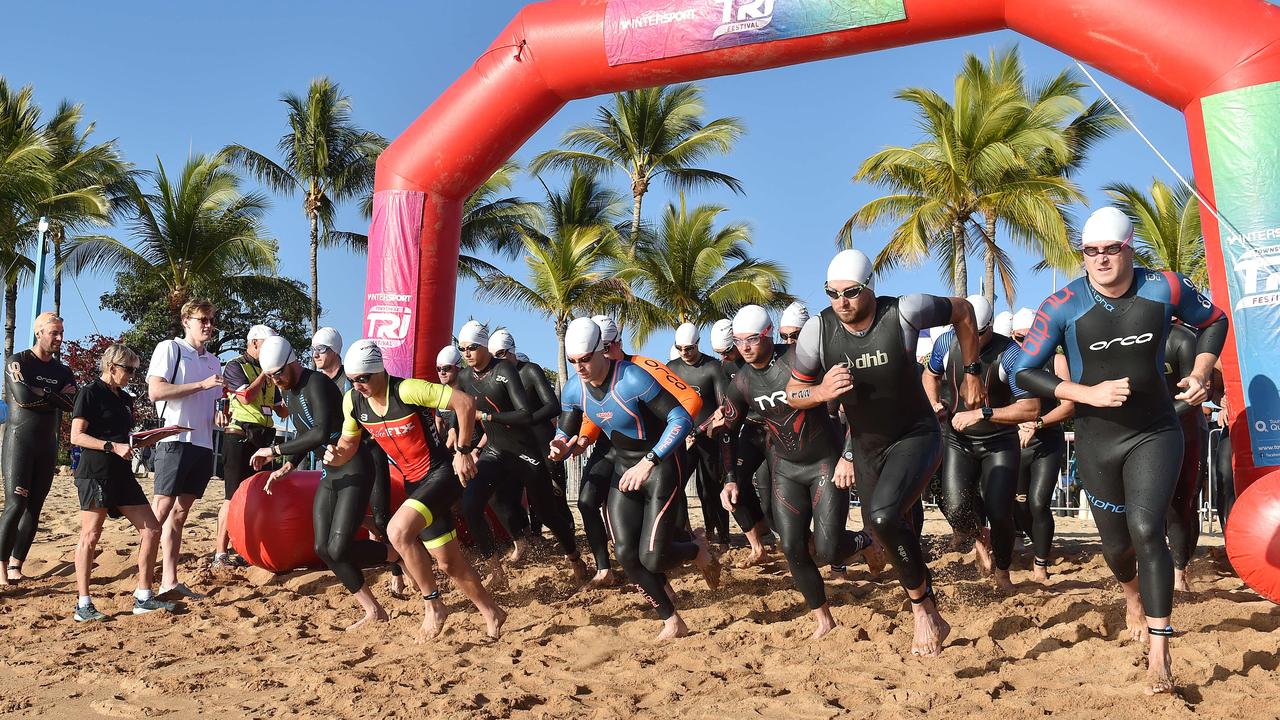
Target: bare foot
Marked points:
1002	581
673	627
826	623
433	620
755	557
379	616
1160	672
982	553
1180	580
518	552
875	556
1135	620
397	587
498	577
579	569
706	560
931	630
603	579
1040	573
493	621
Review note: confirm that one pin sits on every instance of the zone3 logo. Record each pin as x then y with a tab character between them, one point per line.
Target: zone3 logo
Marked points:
1127	340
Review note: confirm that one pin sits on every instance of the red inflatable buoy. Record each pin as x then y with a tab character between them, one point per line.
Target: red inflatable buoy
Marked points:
275	531
1253	536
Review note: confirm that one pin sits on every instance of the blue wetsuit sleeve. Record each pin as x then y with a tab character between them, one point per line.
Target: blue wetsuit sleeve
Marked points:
1037	348
570	410
662	403
1193	308
1010	361
941	347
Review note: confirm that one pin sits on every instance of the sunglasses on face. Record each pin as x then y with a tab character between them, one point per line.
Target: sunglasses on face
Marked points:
749	341
320	349
790	336
583	360
361	379
203	320
276	374
446	369
471	348
1092	251
848	293
686	348
129	369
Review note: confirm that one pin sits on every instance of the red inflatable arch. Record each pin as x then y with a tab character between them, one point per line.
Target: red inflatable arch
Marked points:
1178	51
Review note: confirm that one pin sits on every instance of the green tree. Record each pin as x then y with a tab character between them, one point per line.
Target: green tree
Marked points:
191	234
568	271
650	134
491	222
25	152
1166	225
326	158
691	271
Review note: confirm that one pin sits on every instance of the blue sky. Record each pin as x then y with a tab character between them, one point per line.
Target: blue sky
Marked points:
170	78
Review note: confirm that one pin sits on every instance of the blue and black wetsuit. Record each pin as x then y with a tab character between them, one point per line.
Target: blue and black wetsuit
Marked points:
980	464
1128	456
640	418
1182	525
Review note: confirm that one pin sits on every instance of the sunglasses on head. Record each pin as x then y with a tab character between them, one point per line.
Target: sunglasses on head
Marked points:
749	341
130	369
790	336
1093	251
471	348
581	360
848	293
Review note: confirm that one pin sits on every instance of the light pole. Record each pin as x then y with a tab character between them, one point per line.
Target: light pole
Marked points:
37	286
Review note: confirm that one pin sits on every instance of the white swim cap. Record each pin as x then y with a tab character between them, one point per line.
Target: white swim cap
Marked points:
850	265
501	340
473	332
924	346
362	358
449	355
673	354
722	336
687	334
981	310
260	332
1105	226
329	337
275	353
796	315
1003	323
752	319
608	328
522	357
582	337
1023	319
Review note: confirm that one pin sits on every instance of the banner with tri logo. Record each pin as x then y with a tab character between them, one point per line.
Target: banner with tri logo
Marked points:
1242	128
391	287
639	30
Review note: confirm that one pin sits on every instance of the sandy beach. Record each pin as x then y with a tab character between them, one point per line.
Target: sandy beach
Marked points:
266	646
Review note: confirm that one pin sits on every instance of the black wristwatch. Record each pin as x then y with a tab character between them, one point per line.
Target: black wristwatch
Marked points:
652	457
973	368
108	447
466	449
987	413
847	455
1039	423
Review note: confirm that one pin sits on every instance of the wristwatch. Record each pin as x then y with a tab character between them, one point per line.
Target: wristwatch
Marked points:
1039	423
973	368
108	447
987	413
652	457
847	455
466	449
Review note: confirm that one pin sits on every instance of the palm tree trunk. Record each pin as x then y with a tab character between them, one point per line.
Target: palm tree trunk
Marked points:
638	188
58	235
10	314
989	272
562	363
960	285
315	272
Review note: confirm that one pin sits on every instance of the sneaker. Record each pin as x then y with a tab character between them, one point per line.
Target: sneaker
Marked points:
181	590
236	561
220	562
151	604
88	613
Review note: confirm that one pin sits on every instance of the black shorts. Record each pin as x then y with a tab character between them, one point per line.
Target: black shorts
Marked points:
118	489
236	451
182	468
434	497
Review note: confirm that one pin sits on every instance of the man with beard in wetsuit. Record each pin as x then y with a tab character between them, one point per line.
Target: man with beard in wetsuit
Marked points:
861	352
803	448
981	453
1112	323
512	463
647	425
707	377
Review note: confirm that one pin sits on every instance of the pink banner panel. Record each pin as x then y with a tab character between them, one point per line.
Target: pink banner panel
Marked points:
391	286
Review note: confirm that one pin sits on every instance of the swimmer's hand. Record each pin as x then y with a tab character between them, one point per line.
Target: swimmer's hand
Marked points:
633	478
729	496
464	466
1108	393
560	448
276	475
1194	390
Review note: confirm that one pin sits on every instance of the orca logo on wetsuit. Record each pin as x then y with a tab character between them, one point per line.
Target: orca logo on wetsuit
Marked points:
1127	340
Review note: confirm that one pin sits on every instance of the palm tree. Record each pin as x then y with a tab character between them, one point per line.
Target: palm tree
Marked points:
492	222
1166	223
693	272
568	273
325	157
998	153
190	233
649	134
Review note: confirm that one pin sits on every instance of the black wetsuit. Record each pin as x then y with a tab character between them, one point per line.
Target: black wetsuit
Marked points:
640	417
1182	525
750	471
511	464
545	411
1128	457
1038	473
894	440
315	404
707	377
38	392
980	465
803	448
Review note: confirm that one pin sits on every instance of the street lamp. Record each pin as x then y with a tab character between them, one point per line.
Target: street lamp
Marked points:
36	290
